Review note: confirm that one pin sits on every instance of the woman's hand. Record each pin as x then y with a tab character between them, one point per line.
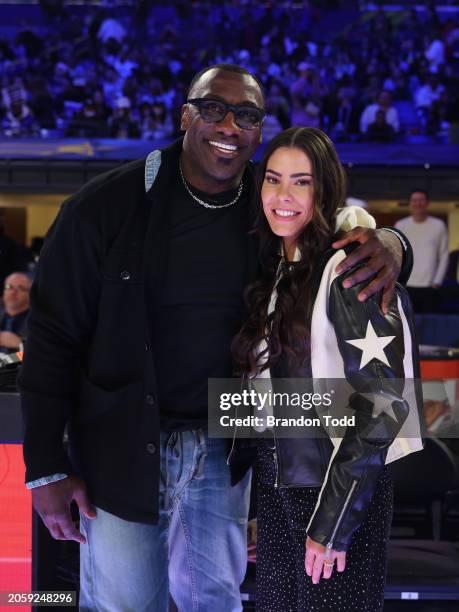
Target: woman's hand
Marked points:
252	541
319	561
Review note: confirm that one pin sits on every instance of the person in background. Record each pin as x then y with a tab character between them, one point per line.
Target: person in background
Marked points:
271	124
122	125
426	95
380	130
13	321
19	121
384	104
429	238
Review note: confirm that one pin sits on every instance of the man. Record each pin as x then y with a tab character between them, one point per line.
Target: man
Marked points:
137	298
13	323
380	130
429	239
384	104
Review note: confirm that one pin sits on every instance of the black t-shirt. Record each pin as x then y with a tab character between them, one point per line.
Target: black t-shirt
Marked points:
200	300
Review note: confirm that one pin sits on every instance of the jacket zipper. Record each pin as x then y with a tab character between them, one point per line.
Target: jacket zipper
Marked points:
230	454
341	514
276	461
276	483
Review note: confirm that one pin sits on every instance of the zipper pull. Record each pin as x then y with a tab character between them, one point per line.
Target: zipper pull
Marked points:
276	483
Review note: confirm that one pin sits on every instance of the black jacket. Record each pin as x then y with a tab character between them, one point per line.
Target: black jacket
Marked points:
348	470
88	361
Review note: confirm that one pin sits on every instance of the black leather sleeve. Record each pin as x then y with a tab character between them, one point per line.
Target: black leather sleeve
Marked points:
358	461
407	263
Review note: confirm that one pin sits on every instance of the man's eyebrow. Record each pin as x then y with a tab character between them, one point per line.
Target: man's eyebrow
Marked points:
296	175
219	98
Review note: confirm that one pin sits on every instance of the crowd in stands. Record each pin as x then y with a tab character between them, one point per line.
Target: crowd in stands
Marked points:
103	73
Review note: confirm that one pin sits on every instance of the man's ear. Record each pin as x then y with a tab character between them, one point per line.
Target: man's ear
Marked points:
185	120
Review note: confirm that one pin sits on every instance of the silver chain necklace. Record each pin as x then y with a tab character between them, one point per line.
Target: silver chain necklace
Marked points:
206	204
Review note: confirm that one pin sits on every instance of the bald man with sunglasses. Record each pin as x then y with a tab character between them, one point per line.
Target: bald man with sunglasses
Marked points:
137	297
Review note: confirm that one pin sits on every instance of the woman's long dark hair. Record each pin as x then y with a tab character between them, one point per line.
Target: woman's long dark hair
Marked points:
290	324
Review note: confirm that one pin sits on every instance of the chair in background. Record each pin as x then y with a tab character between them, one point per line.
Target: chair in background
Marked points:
422	483
423	569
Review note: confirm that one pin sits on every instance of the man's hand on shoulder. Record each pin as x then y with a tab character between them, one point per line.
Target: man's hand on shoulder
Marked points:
384	254
52	502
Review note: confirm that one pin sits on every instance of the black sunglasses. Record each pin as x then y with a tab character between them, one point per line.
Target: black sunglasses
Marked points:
212	111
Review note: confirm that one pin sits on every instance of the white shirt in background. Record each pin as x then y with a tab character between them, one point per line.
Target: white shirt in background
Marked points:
429	240
369	116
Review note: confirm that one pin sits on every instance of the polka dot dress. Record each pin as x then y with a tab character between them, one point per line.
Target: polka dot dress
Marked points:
282	582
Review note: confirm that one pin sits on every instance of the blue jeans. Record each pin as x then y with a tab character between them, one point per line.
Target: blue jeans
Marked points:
197	551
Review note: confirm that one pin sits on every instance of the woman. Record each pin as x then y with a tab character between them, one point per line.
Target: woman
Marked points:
324	507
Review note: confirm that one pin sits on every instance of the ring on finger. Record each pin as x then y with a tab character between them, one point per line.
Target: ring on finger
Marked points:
329	564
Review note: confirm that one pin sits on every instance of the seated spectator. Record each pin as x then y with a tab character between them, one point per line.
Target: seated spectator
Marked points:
443	112
279	105
344	117
13	321
384	104
42	103
426	95
112	85
299	116
154	121
88	122
309	84
271	124
19	121
122	125
13	92
305	114
103	111
312	110
380	130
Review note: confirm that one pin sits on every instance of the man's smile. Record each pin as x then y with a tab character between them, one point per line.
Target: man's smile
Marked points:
224	148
